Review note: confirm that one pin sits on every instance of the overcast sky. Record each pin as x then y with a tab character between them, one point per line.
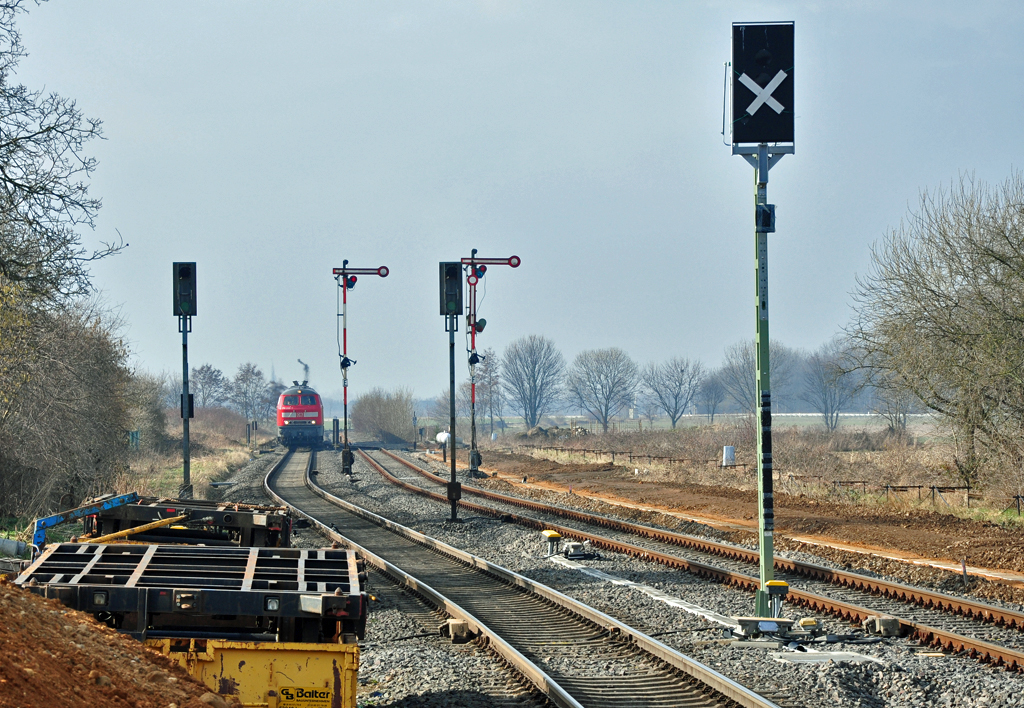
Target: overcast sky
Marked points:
270	141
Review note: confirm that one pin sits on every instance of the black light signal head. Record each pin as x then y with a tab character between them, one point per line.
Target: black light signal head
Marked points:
350	282
480	324
184	289
451	288
474	359
480	270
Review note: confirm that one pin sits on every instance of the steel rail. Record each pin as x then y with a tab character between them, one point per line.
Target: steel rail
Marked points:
710	679
976	648
971	609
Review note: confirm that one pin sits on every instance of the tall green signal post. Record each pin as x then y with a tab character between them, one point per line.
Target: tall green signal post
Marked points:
762	129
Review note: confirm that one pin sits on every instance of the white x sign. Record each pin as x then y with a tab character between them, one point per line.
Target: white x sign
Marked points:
764	95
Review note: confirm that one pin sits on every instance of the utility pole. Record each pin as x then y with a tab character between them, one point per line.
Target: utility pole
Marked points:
346	278
184	309
475	268
762	112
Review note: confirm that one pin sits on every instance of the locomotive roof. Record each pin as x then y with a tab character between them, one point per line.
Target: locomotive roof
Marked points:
299	389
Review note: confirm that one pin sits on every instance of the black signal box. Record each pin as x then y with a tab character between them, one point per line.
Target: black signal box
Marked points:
764	219
762	83
184	289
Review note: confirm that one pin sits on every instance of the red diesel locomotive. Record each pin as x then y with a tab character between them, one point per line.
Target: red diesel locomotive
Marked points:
300	416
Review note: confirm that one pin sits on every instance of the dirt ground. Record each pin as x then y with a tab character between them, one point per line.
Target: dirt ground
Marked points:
925	533
55	657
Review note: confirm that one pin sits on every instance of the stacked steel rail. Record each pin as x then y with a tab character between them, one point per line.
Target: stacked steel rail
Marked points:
986	651
525	622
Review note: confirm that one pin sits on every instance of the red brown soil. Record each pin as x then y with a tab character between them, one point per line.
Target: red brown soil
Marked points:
924	533
56	657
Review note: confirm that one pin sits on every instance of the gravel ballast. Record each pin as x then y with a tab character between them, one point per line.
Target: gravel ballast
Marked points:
404	661
900	676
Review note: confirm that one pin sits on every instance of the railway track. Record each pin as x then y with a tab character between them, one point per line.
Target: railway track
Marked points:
589	658
991	634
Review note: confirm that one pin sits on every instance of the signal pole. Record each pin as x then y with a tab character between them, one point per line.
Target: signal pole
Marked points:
762	112
451	307
346	278
476	267
184	309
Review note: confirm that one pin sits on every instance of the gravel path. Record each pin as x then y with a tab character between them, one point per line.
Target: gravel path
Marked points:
899	676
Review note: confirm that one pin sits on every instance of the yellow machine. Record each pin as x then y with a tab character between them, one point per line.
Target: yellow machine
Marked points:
271	674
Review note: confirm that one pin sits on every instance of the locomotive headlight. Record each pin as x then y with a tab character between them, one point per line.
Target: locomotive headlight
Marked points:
99	598
272	604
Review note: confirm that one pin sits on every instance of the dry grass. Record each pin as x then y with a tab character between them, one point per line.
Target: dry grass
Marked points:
217	446
809	462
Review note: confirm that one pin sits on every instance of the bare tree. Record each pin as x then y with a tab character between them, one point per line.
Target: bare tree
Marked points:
248	390
892	401
44	196
829	385
647	406
145	396
64	412
267	408
532	370
208	385
441	407
738	373
673	385
488	386
940	315
386	415
602	382
710	395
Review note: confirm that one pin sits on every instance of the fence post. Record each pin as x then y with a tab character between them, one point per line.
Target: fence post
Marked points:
968	495
933	496
613	457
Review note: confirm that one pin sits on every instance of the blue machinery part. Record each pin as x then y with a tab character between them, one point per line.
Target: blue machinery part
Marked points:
97	505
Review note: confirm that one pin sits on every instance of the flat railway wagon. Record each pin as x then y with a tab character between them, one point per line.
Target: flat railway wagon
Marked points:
229	601
300	416
269	626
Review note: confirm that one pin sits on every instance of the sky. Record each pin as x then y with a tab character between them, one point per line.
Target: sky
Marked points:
269	141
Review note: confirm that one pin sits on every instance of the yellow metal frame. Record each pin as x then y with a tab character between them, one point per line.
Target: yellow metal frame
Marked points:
271	674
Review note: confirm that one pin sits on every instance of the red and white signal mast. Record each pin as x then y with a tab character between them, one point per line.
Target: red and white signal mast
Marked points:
346	278
475	269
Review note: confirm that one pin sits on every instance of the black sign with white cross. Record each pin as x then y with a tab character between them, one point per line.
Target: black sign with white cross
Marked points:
762	83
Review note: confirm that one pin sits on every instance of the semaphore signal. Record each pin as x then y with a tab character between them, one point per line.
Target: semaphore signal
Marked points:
346	278
476	268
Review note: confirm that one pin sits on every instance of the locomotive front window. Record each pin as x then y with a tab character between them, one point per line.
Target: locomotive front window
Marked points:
291	400
309	400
